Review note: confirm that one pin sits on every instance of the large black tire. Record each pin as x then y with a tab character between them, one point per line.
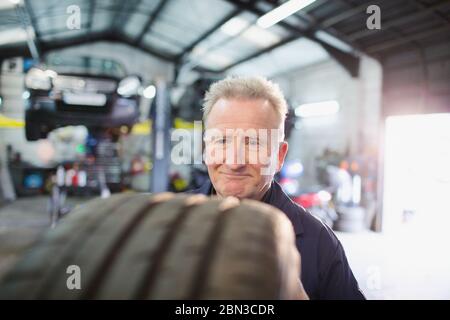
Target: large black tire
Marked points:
165	246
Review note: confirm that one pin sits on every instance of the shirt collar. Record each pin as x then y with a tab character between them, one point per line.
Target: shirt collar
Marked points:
276	197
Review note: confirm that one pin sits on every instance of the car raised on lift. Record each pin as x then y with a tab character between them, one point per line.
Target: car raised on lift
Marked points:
87	91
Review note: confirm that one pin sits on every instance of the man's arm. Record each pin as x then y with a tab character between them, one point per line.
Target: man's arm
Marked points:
336	279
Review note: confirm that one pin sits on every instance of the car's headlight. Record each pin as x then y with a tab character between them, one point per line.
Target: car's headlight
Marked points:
38	79
129	86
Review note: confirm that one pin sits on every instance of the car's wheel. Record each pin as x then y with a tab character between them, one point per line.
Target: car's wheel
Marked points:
165	246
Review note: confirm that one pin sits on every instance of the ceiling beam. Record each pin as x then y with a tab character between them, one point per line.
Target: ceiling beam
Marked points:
58	31
29	10
22	50
207	33
124	13
335	19
259	53
434	12
347	60
319	26
396	42
151	20
395	22
22	14
147	48
92	6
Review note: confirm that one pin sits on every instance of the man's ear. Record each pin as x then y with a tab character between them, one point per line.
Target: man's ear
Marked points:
282	152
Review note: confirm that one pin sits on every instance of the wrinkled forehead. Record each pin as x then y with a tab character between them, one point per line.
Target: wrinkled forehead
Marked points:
243	114
260	134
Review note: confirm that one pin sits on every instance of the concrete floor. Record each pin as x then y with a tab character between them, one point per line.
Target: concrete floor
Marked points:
410	264
21	224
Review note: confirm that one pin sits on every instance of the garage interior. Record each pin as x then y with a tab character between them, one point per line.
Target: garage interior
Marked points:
368	127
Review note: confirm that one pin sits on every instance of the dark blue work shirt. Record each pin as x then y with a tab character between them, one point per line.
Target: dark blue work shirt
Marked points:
325	272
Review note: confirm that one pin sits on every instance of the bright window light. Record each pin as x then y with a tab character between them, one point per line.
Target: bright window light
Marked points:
279	13
234	26
149	92
416	171
317	109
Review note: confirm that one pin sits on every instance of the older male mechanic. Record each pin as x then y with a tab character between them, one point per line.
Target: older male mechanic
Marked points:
254	104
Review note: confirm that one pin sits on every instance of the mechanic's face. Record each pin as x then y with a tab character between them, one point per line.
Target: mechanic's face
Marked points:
242	148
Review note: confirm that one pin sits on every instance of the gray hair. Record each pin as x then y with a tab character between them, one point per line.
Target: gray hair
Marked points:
246	88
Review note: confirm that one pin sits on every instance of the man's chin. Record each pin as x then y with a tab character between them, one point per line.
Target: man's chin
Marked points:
238	193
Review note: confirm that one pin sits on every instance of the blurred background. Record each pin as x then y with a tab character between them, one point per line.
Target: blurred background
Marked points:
91	92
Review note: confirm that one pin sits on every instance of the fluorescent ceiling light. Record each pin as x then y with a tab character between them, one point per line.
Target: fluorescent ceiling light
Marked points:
199	50
260	37
279	13
217	60
234	26
211	57
317	109
254	34
333	41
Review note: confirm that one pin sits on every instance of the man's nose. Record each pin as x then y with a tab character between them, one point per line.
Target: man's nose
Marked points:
235	156
235	166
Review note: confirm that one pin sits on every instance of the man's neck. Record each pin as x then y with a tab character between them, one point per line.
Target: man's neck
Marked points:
259	197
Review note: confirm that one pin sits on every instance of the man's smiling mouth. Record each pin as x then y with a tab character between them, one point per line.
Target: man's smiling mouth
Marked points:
235	175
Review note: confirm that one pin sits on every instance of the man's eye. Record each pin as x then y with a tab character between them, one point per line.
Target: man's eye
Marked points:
221	141
252	142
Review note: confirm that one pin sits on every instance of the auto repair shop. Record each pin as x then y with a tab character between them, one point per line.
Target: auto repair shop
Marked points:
96	94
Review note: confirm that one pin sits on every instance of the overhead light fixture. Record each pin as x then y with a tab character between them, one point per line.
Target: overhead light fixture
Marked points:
239	26
282	12
317	109
261	37
149	92
234	26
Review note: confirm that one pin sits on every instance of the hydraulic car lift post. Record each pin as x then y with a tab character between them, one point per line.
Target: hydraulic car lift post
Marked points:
160	139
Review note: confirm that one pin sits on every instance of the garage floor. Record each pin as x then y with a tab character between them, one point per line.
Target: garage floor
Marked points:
21	223
412	263
407	265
